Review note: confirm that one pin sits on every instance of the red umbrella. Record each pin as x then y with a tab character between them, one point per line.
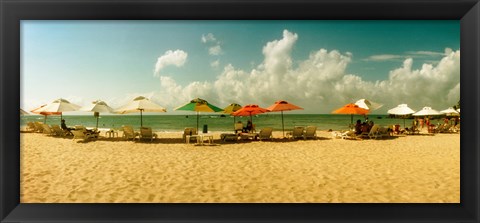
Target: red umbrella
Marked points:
351	109
283	106
249	110
36	111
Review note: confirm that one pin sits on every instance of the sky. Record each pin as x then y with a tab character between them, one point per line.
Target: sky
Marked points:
318	65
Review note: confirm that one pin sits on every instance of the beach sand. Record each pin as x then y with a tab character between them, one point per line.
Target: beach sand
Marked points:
405	169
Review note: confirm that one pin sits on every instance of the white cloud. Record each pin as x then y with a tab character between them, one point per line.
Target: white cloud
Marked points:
215	50
215	47
215	64
321	83
208	38
427	53
175	58
384	57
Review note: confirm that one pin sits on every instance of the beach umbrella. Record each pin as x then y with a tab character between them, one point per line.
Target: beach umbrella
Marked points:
283	106
231	108
402	110
22	112
59	106
141	104
427	111
367	104
199	105
351	109
45	114
450	112
97	107
249	110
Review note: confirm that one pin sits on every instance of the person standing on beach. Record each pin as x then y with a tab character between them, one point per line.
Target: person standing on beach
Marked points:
421	122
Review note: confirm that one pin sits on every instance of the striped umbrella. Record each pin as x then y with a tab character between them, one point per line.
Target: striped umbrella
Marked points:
199	105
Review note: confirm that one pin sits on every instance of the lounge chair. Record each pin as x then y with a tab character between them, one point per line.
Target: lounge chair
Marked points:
373	134
80	134
383	132
191	132
38	127
238	127
146	133
128	132
228	136
47	130
350	134
265	133
31	127
310	132
58	131
296	133
412	130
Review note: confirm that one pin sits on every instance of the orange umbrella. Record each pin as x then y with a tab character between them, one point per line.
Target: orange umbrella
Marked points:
283	106
249	110
351	109
38	111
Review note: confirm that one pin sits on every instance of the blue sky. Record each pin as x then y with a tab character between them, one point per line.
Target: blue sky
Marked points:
318	65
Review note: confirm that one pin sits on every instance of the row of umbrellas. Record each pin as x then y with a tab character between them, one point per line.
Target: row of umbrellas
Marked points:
142	104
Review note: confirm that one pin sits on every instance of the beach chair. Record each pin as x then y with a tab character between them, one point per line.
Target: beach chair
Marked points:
310	132
31	127
58	131
383	132
38	127
228	137
238	127
373	133
350	134
47	130
412	130
128	132
296	133
146	133
191	133
265	133
80	134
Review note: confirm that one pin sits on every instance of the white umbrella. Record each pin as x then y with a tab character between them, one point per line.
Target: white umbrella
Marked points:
59	105
367	104
450	112
458	110
97	106
141	104
426	111
401	109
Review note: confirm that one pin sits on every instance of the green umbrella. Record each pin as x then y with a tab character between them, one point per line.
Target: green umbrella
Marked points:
231	109
199	105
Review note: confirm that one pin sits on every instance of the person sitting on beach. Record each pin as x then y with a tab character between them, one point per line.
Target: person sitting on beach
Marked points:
364	128
249	127
358	127
65	128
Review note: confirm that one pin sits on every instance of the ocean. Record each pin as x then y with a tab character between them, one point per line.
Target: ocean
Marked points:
175	123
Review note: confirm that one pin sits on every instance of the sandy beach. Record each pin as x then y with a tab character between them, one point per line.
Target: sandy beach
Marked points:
404	169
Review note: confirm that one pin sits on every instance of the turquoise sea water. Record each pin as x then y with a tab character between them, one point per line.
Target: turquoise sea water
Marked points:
174	123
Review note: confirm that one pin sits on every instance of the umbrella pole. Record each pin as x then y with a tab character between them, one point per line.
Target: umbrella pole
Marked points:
61	117
141	119
283	128
197	122
45	119
97	123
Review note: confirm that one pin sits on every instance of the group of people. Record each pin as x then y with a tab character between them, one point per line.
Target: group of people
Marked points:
248	127
361	127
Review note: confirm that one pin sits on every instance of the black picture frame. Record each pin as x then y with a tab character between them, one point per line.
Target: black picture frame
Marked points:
12	11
